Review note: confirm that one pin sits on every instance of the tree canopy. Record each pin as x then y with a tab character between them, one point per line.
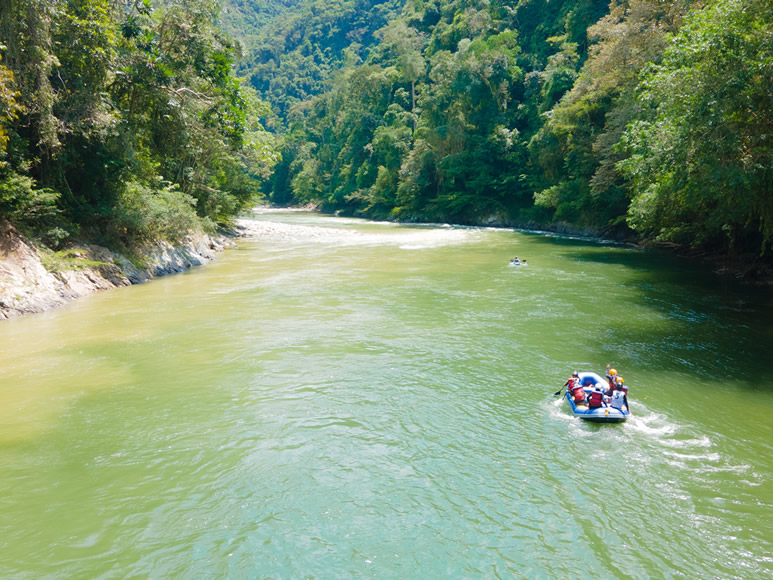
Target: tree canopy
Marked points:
528	112
124	121
139	119
701	152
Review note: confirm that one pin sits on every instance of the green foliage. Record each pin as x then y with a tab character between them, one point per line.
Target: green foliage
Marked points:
26	31
9	104
119	97
641	113
576	149
466	110
145	214
298	47
32	209
416	132
701	157
21	200
68	260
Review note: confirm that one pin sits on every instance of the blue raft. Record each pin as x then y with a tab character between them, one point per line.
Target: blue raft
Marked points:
613	412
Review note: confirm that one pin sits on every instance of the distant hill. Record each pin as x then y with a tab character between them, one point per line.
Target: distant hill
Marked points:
634	119
293	48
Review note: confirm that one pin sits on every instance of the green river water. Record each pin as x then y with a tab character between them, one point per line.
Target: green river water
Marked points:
339	398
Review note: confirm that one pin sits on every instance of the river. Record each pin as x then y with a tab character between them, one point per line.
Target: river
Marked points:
339	398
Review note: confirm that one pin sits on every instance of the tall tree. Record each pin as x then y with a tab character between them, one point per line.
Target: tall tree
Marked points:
701	159
133	121
26	28
576	148
9	104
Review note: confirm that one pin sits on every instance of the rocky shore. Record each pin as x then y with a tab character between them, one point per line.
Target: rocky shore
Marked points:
34	281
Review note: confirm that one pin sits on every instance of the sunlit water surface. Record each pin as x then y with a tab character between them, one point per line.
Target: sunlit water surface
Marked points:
339	398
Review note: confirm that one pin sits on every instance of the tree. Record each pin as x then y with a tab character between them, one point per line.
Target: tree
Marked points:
9	104
577	147
701	158
134	126
26	28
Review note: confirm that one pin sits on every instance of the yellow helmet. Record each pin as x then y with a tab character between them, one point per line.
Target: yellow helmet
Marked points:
613	372
620	379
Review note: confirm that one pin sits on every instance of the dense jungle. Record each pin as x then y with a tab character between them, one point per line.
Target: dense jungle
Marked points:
129	121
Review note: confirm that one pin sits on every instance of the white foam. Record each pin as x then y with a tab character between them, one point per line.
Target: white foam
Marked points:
406	239
651	424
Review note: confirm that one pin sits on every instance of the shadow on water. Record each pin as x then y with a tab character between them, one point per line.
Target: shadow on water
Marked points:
706	325
669	267
686	272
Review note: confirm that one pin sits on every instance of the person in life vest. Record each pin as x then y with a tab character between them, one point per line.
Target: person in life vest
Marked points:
611	375
622	387
578	394
618	385
618	401
619	395
572	381
596	398
574	387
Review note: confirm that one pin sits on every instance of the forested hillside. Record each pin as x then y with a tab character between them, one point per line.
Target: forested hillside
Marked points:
294	49
134	120
636	117
123	122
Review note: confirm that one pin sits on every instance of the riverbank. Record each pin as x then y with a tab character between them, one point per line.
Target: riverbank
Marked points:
33	280
747	268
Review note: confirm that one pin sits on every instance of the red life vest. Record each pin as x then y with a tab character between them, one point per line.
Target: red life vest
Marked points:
596	399
578	393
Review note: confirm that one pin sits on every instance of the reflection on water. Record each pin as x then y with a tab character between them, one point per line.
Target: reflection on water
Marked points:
341	398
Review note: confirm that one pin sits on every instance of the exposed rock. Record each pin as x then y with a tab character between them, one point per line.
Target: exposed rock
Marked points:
26	286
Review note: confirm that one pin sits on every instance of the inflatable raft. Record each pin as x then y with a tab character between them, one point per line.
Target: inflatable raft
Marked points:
614	411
